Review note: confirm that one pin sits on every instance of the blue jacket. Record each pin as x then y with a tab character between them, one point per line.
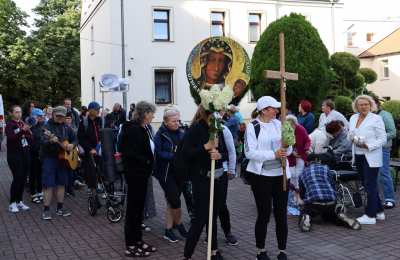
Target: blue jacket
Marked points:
165	148
307	121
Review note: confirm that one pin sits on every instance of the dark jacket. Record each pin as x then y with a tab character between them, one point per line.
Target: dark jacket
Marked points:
75	118
115	119
195	154
63	132
341	145
307	121
15	135
37	133
134	145
89	136
166	142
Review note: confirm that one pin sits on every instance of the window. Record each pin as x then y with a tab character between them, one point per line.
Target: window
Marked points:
370	37
92	40
217	24
163	80
386	72
161	26
93	88
254	27
350	37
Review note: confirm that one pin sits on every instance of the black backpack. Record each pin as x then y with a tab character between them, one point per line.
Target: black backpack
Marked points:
244	174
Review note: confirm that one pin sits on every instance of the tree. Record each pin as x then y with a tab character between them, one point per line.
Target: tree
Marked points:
305	54
344	105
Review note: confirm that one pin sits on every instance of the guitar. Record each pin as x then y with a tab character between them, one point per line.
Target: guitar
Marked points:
69	158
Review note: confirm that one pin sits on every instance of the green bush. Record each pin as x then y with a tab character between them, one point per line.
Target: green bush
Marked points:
343	104
370	75
306	55
393	107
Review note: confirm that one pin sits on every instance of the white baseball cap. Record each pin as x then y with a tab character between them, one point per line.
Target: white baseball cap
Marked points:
267	101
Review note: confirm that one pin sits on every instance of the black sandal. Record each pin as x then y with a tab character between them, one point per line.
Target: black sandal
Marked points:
146	247
134	251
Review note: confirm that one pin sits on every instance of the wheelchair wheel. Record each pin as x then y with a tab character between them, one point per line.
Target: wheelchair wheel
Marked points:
114	214
92	206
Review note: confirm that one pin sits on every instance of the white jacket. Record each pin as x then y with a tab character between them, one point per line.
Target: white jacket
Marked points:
372	130
261	149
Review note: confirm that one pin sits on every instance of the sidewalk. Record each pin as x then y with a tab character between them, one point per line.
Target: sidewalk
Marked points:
26	236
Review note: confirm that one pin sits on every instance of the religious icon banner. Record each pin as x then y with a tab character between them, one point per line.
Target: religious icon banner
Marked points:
218	61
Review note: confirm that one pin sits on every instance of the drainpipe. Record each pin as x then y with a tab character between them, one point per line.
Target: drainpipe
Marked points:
124	94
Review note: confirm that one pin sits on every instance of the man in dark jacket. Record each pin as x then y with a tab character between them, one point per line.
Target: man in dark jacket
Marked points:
74	113
89	139
55	173
116	117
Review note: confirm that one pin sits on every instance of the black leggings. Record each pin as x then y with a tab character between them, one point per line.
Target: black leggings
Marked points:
35	176
268	192
224	215
201	195
137	189
19	164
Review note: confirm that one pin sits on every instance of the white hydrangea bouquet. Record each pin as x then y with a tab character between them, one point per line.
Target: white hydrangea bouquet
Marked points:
215	100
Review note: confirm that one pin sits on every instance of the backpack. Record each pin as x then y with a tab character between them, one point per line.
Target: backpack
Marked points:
244	174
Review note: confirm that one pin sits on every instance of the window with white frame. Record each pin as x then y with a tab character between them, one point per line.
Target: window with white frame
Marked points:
370	37
217	23
385	69
163	83
92	40
254	27
161	25
350	39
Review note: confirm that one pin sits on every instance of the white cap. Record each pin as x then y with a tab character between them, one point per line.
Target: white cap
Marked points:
267	101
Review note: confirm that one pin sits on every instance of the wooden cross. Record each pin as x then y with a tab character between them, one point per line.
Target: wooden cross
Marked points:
283	76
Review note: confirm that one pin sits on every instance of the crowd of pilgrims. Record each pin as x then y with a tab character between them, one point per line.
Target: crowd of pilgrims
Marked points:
179	157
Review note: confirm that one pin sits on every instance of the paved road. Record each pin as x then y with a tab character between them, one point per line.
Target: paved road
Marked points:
26	236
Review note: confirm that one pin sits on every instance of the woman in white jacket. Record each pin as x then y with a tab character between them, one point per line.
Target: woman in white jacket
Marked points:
368	135
264	153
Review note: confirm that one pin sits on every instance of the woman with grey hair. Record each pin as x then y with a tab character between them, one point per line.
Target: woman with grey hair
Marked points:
137	148
367	134
167	139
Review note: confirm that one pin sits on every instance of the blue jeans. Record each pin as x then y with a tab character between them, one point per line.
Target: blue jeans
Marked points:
370	182
385	178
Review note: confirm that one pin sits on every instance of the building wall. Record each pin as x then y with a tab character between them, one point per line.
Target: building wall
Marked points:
385	87
190	23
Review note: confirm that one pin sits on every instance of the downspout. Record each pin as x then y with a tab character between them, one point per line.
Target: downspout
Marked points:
124	94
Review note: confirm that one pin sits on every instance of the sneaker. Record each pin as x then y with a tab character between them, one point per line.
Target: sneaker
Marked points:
380	216
389	205
365	220
22	206
217	256
262	256
13	208
282	256
46	215
170	236
351	223
63	212
182	230
231	240
145	228
305	223
79	184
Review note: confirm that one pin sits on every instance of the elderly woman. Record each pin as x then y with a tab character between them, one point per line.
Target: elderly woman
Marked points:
306	117
172	182
137	149
368	135
339	143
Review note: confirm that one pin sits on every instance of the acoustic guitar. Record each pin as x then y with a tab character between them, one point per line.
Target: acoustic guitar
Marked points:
69	158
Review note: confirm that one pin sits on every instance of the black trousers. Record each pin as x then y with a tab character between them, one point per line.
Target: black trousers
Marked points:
91	170
35	175
137	189
19	164
201	195
327	212
187	193
268	192
224	215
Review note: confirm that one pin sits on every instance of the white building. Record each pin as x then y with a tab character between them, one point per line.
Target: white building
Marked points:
384	59
363	33
158	36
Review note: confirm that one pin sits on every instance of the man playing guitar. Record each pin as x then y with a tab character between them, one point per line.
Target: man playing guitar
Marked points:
55	173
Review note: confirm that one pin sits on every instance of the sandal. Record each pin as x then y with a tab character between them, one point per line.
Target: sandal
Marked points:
36	200
134	251
146	247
